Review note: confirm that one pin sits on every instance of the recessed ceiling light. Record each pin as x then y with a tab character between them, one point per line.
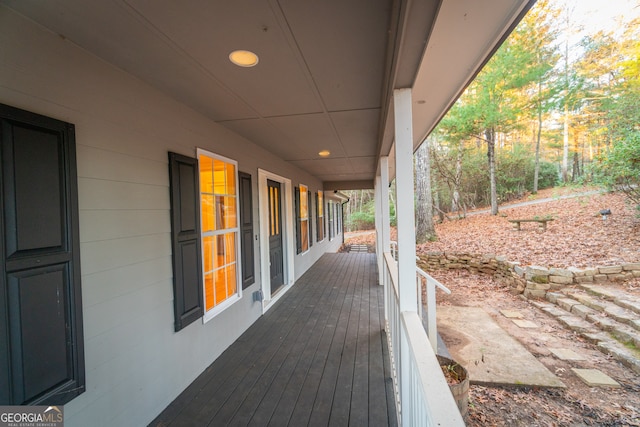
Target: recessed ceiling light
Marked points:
324	153
243	58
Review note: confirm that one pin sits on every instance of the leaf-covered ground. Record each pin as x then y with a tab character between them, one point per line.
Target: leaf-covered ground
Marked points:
578	236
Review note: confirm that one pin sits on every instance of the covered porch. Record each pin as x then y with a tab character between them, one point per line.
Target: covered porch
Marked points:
318	357
342	95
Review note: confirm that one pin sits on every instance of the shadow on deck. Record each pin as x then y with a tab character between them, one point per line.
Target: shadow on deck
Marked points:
318	357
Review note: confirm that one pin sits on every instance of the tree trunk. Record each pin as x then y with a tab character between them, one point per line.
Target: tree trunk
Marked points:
565	146
455	199
490	135
536	172
565	133
424	209
576	166
436	203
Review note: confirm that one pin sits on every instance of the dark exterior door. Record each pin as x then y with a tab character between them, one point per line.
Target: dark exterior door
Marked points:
275	235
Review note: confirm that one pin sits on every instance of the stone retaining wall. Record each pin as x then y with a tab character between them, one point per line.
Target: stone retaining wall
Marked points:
532	281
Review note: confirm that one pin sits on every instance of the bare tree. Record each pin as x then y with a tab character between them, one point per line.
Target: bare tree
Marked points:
424	206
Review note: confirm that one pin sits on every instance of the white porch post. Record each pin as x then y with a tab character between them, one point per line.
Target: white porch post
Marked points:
384	198
408	300
383	231
379	247
405	205
385	219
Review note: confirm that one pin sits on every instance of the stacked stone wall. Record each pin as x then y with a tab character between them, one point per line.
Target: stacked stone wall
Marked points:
532	281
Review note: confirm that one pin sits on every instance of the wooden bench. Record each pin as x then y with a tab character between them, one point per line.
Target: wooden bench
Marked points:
542	222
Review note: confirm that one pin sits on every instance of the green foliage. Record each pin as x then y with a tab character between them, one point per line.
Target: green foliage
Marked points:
547	176
620	168
514	177
516	170
361	221
392	216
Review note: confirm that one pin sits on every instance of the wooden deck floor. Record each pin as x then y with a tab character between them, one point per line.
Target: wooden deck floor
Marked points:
318	357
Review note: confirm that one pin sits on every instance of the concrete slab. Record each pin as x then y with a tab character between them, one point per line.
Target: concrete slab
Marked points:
566	354
595	378
524	323
512	314
491	355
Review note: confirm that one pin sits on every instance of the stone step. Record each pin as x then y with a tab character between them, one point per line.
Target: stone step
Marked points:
592	318
609	308
621	323
627	357
621	332
620	298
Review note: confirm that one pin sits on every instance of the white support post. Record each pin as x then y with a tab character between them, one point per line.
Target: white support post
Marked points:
384	198
385	227
379	247
405	205
407	295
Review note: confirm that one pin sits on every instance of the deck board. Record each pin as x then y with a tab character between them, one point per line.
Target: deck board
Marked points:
318	357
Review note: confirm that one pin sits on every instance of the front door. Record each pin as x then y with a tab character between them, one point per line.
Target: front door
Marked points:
275	235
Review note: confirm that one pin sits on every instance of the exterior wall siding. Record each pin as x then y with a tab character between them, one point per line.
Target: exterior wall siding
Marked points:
135	363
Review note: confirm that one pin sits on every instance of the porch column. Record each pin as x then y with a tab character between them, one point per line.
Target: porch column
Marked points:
379	247
385	227
405	204
383	232
384	199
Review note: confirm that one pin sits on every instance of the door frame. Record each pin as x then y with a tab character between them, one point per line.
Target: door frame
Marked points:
288	244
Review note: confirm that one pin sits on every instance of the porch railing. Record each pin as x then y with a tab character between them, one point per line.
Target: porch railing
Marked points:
430	284
423	396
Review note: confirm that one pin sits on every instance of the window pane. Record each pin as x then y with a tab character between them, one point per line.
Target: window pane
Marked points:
208	291
221	286
231	179
230	248
276	204
218	176
219	224
231	279
207	248
219	254
304	234
207	212
320	203
303	202
272	229
206	176
230	220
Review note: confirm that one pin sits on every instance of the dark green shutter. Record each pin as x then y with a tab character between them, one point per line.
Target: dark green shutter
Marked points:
246	229
185	239
296	193
41	338
310	218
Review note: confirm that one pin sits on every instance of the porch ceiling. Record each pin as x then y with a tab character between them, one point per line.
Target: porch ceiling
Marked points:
327	68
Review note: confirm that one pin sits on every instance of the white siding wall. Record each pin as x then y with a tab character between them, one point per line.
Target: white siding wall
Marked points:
135	363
